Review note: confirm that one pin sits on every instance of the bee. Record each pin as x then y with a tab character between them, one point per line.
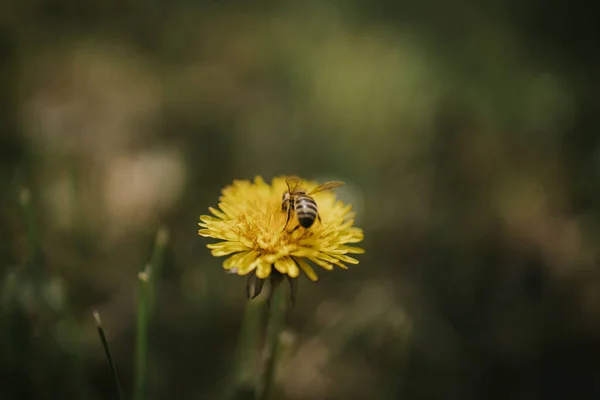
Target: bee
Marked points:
304	206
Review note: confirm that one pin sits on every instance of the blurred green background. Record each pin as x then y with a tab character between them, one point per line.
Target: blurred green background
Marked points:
467	133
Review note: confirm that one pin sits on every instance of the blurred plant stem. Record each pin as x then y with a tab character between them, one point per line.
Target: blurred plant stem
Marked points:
148	286
34	251
156	264
141	347
108	354
246	353
277	312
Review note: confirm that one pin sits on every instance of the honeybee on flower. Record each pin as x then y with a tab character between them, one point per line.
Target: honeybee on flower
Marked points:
297	200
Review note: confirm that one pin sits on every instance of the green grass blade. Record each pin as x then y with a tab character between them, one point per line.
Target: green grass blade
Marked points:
247	352
141	353
244	375
34	256
109	358
277	313
156	264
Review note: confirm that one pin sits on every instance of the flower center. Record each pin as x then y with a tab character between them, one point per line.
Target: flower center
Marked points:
263	225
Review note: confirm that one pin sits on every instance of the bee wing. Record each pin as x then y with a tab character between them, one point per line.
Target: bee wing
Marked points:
326	186
292	183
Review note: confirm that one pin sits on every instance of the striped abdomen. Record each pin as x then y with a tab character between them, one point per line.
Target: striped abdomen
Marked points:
306	210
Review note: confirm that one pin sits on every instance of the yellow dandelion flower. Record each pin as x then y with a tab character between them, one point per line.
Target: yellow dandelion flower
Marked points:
250	224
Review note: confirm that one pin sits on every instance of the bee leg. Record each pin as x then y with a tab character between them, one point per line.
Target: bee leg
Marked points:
319	217
287	218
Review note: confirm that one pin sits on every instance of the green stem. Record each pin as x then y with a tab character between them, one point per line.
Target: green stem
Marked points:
35	260
247	351
156	263
244	377
108	355
277	313
142	335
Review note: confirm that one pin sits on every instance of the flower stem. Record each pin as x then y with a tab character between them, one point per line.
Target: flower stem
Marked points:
108	355
35	256
247	351
156	262
277	311
143	310
244	376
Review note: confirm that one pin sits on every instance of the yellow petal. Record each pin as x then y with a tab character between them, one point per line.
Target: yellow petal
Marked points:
306	252
286	265
346	259
271	258
346	250
241	183
226	248
227	210
209	233
307	269
217	213
207	219
241	263
333	260
281	266
248	265
263	270
353	235
234	260
347	224
293	270
321	263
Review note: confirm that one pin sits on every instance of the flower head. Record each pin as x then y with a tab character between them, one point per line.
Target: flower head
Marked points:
252	228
